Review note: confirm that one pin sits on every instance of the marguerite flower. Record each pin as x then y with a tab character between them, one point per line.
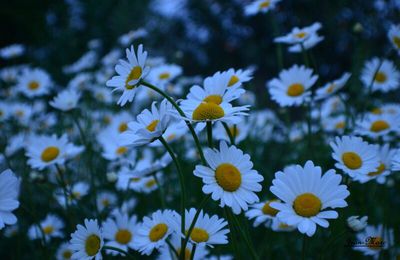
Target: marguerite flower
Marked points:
64	252
306	195
230	177
77	191
120	230
65	100
12	51
394	36
129	74
381	75
378	125
152	233
34	82
260	6
332	87
262	213
51	227
292	87
354	156
87	241
106	199
376	239
9	189
238	77
163	74
300	38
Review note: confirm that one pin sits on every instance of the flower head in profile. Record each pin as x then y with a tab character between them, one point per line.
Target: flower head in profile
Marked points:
260	6
307	195
129	74
262	213
229	177
9	189
86	242
381	75
394	36
12	51
51	227
332	87
65	100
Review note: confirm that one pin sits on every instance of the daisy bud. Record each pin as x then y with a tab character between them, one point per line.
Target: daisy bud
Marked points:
356	224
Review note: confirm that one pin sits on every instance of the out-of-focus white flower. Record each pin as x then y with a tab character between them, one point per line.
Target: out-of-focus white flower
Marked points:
65	100
260	6
12	51
356	223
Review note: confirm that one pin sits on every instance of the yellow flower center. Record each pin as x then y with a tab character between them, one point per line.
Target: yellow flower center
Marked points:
300	35
376	111
76	195
375	243
295	90
234	79
396	41
378	171
199	235
215	99
340	125
164	75
188	253
307	205
158	232
92	245
171	137
331	88
283	225
228	177
121	150
50	153
19	113
48	230
33	85
352	160
152	126
123	236
208	111
123	127
234	131
268	210
379	126
67	254
105	202
135	74
380	77
151	183
264	4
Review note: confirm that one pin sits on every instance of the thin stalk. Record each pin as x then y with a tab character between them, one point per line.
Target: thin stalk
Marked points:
120	251
304	248
228	132
161	191
209	135
246	238
232	233
181	113
172	248
331	242
193	252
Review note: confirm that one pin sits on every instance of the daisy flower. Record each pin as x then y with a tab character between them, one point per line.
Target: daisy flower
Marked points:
357	224
229	177
129	74
279	226
394	36
9	189
376	239
292	88
86	242
77	191
332	87
64	252
238	77
260	6
174	132
12	51
375	126
163	74
149	125
354	156
65	100
51	227
166	254
120	230
34	82
262	213
382	74
335	124
306	37
238	131
152	233
105	200
307	195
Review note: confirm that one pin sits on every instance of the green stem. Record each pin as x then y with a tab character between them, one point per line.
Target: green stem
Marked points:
193	252
228	132
305	57
209	135
120	251
232	233
173	249
304	247
189	125
245	236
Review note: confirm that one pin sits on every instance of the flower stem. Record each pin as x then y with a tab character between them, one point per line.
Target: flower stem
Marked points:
228	132
120	251
189	125
232	233
193	252
209	135
304	247
173	249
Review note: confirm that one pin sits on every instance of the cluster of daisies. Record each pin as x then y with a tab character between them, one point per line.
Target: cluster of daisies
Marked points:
111	149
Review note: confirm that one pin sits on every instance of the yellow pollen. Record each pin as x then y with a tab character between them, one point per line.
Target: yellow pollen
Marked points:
208	111
376	111
375	243
134	179
396	41
123	127
379	126
268	210
199	235
378	171
123	236
295	90
121	150
307	205
105	202
264	4
234	131
33	85
283	225
50	153
228	177
152	126
234	79
158	232
92	245
106	120
380	77
300	35
331	88
165	75
216	99
352	160
340	125
67	254
48	230
135	74
151	183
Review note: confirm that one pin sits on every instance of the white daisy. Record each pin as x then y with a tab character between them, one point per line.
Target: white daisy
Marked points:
163	74
279	226
9	189
129	74
166	254
120	229
34	82
229	177
260	6
12	51
332	87
50	227
76	192
174	132
375	126
106	199
149	125
382	74
292	88
306	194
354	156
262	213
299	38
87	241
65	100
152	233
64	252
376	239
335	124
238	77
394	36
